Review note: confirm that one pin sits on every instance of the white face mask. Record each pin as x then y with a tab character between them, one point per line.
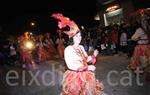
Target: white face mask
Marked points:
77	38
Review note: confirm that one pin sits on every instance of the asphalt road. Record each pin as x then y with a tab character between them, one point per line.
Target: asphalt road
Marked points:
46	79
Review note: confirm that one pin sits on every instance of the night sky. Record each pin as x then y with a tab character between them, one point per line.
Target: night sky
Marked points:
16	16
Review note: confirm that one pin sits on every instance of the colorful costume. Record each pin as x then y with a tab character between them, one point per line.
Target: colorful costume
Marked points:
25	52
49	45
60	47
78	79
142	48
42	54
81	81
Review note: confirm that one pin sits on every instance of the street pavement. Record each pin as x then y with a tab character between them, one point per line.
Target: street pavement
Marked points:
46	78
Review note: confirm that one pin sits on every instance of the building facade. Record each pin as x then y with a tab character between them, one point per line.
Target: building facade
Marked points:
119	11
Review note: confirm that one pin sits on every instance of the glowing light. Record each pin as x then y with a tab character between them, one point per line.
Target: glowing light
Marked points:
142	12
82	27
32	23
97	17
29	44
110	9
30	33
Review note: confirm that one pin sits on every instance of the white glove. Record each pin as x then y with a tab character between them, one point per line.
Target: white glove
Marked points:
95	52
89	58
91	67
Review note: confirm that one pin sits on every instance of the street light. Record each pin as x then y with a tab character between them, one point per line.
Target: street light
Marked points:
34	26
32	23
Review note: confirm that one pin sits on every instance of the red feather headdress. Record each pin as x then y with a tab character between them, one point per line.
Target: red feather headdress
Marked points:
65	21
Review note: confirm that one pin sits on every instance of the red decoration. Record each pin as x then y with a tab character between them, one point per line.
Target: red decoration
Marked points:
65	21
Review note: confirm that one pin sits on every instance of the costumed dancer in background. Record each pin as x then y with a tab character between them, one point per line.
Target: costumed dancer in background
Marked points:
60	45
26	48
13	52
49	45
42	54
79	78
142	48
123	41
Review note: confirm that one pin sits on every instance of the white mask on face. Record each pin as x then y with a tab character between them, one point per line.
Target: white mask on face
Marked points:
77	38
